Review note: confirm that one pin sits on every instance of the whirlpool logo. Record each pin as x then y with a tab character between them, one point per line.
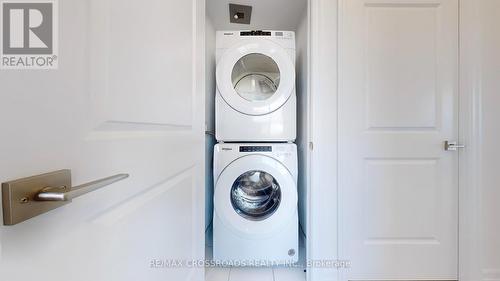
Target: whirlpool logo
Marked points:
29	35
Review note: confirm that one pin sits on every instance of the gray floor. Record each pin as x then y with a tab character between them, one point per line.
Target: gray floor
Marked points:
253	274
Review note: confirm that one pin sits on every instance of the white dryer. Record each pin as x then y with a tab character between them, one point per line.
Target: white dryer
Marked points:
255	204
255	97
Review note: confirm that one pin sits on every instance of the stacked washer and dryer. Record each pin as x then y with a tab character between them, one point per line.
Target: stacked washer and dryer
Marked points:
255	162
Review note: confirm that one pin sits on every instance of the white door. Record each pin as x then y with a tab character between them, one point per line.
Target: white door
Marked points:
127	98
398	104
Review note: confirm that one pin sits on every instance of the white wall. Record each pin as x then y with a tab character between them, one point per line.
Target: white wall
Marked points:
302	35
209	117
209	74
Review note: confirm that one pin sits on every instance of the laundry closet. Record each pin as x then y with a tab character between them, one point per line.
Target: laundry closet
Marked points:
257	106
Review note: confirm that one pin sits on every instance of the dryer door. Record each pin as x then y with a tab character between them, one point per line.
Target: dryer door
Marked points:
255	195
255	77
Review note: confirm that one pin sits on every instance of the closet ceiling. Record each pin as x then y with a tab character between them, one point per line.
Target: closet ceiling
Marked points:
266	14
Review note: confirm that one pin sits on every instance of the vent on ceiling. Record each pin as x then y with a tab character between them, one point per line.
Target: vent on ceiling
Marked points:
240	14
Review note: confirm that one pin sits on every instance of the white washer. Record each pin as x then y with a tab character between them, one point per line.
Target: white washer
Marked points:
255	204
255	97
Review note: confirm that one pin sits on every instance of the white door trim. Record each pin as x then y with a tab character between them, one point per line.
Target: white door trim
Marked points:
470	181
322	236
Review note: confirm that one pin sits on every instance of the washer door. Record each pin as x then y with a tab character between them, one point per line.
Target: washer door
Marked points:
255	78
255	195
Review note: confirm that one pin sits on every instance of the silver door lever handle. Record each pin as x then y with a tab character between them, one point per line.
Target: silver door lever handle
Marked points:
29	197
66	193
452	146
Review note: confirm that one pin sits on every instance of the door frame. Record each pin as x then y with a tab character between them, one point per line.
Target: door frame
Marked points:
470	77
322	218
325	32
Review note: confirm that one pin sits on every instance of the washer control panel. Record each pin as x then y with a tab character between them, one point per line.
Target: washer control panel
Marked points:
256	148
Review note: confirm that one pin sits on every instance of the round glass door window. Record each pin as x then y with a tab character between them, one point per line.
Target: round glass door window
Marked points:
255	195
255	77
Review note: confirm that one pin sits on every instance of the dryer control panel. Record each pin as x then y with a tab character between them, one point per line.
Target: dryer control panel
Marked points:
227	39
256	148
257	33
